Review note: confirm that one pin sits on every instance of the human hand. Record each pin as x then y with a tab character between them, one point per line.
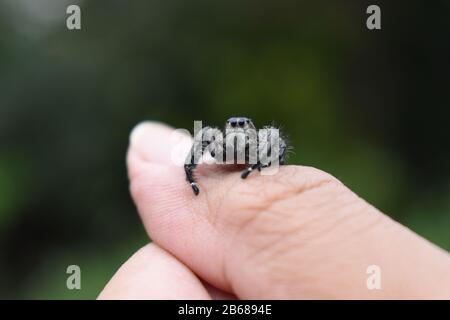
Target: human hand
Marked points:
297	234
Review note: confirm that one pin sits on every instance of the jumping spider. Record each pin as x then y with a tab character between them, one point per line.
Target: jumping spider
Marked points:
241	144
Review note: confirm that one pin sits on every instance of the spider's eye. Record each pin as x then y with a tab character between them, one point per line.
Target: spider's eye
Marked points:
232	123
241	122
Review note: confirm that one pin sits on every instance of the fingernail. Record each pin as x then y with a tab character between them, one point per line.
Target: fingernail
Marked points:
157	142
141	138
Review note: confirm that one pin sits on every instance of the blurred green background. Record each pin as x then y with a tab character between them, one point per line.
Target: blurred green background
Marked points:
370	107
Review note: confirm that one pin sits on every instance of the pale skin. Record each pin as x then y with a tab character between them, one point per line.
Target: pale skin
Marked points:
298	234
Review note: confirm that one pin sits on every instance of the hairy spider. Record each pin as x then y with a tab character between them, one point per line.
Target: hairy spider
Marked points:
241	144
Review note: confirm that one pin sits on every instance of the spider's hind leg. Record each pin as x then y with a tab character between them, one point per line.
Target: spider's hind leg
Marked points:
283	148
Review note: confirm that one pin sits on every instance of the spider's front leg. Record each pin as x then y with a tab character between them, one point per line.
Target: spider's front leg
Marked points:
189	169
247	171
201	142
281	160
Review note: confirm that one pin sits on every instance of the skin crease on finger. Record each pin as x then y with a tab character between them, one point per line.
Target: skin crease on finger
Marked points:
297	234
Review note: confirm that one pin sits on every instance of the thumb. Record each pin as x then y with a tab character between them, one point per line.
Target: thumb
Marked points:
297	234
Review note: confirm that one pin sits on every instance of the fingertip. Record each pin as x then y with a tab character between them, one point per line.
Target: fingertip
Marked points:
153	273
145	139
159	143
